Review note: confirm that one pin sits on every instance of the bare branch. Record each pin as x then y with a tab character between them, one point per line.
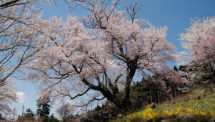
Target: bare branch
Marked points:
78	95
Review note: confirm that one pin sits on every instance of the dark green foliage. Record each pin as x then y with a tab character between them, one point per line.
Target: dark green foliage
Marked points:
43	108
175	68
29	112
147	92
27	117
52	118
98	108
139	95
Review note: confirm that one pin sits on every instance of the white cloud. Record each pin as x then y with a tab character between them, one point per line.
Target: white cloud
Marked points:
21	97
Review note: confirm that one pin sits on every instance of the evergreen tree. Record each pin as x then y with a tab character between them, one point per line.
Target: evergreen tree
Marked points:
29	112
29	115
52	118
43	108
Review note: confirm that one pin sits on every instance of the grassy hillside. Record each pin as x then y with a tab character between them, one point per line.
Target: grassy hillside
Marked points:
199	105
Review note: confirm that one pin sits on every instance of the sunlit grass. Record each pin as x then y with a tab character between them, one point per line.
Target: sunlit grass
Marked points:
202	109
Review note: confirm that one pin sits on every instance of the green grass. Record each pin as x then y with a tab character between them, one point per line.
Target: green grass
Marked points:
206	104
200	91
201	98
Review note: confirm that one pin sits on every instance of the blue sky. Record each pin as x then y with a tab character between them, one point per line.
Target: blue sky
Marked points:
175	14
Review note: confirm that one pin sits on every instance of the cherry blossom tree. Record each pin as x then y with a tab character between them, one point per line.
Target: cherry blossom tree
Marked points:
16	47
169	83
200	42
200	39
13	14
18	34
98	58
7	96
4	4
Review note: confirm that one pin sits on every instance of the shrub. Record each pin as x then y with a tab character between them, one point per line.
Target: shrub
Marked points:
178	114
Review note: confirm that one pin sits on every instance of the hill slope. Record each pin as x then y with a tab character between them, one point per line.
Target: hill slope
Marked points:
199	105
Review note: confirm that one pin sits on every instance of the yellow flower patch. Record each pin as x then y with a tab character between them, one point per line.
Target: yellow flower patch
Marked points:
148	113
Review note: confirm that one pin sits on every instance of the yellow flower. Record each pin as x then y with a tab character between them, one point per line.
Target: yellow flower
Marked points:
169	113
179	110
202	113
190	111
132	116
212	113
148	113
195	112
